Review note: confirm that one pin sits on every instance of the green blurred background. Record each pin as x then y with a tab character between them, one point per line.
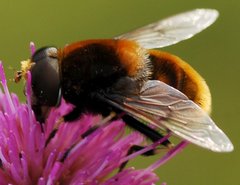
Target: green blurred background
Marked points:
214	53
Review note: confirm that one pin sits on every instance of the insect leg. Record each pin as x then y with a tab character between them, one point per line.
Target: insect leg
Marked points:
133	149
150	133
73	115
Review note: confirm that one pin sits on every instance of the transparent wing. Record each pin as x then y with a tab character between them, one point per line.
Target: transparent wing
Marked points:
167	108
173	29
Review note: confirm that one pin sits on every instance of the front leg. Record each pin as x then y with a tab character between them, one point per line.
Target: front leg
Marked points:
71	116
76	113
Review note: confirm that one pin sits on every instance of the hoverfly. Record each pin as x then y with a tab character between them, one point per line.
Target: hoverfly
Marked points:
154	89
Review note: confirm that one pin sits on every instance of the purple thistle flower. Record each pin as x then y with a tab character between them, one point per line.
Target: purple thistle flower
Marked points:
67	158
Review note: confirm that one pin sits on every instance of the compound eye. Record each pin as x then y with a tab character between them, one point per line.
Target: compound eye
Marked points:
44	54
45	76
